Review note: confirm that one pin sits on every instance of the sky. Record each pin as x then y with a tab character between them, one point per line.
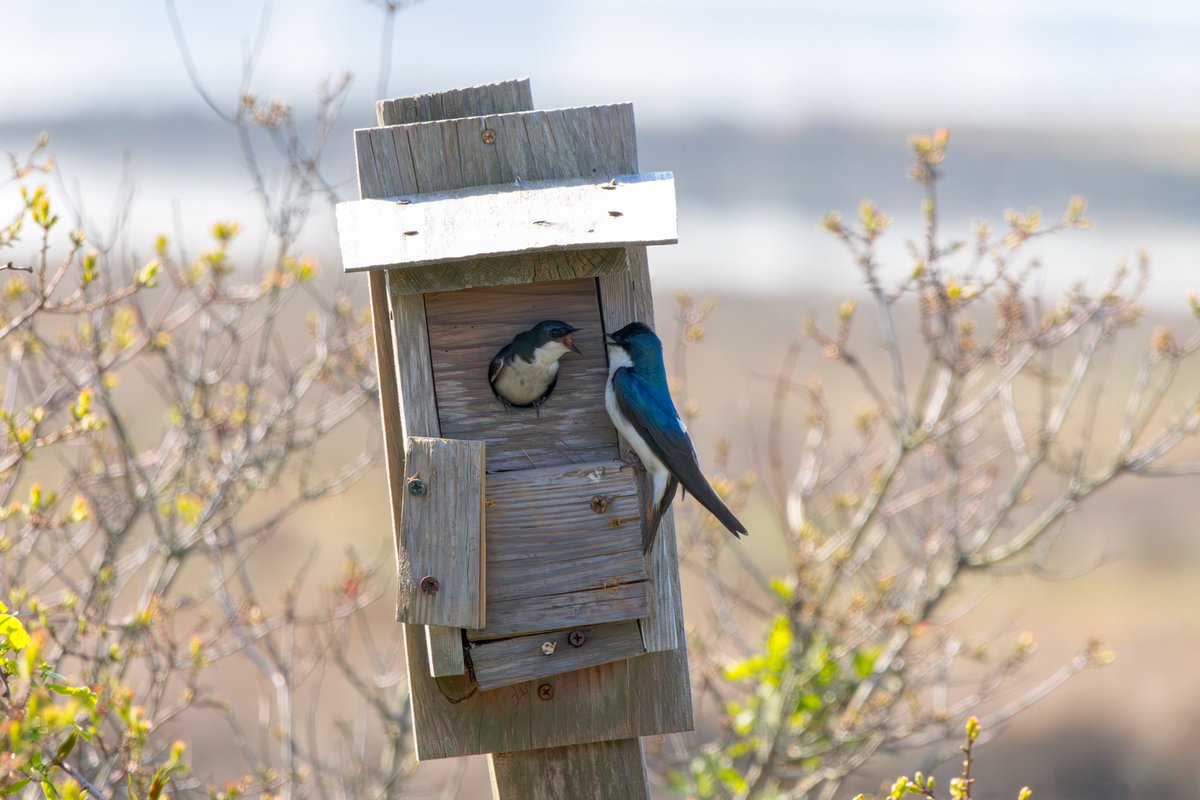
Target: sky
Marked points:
762	67
772	62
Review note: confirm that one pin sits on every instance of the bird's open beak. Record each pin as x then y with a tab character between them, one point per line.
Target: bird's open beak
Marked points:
569	342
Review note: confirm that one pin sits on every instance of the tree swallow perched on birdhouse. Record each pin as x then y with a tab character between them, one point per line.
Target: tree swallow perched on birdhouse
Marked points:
639	403
524	372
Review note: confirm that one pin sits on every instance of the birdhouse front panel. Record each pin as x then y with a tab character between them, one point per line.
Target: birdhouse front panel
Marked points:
468	327
564	526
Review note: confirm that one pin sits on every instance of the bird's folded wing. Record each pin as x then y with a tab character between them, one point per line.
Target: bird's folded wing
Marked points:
496	366
653	415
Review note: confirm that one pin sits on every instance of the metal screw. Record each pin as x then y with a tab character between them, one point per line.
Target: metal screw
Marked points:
600	503
489	136
548	648
546	691
430	584
416	487
576	638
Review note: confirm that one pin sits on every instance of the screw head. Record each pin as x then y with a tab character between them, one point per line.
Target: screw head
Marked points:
489	136
600	503
416	487
546	691
548	648
576	638
430	584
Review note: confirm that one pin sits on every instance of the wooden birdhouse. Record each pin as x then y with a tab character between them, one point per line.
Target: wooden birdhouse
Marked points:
534	620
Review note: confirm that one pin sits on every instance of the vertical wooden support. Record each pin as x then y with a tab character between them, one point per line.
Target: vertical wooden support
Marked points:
574	734
405	337
625	297
601	771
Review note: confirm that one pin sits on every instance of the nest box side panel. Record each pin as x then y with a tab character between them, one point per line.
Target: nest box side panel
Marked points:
625	297
466	330
406	397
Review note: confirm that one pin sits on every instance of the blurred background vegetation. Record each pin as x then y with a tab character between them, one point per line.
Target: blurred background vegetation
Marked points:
196	547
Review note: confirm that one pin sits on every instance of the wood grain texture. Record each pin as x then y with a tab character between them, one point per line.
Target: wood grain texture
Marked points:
508	270
384	177
446	651
467	329
445	654
601	771
410	343
441	534
505	662
624	699
563	549
625	297
425	157
520	616
495	98
484	221
389	405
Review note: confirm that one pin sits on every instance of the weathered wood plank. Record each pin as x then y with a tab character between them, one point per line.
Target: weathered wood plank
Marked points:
495	98
370	184
509	661
445	654
662	629
468	327
622	602
527	146
389	406
478	222
601	771
445	647
444	651
563	549
410	338
513	148
418	411
442	548
625	297
395	161
508	270
609	701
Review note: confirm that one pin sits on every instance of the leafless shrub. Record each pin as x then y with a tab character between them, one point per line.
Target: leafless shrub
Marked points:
977	440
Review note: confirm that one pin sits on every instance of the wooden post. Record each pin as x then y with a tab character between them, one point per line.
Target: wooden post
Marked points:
600	771
561	679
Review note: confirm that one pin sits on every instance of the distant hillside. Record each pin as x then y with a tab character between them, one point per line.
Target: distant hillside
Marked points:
1137	176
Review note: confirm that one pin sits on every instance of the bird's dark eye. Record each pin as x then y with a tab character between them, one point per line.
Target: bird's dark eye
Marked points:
558	332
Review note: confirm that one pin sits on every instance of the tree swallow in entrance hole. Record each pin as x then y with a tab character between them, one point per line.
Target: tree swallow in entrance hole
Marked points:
524	372
639	403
